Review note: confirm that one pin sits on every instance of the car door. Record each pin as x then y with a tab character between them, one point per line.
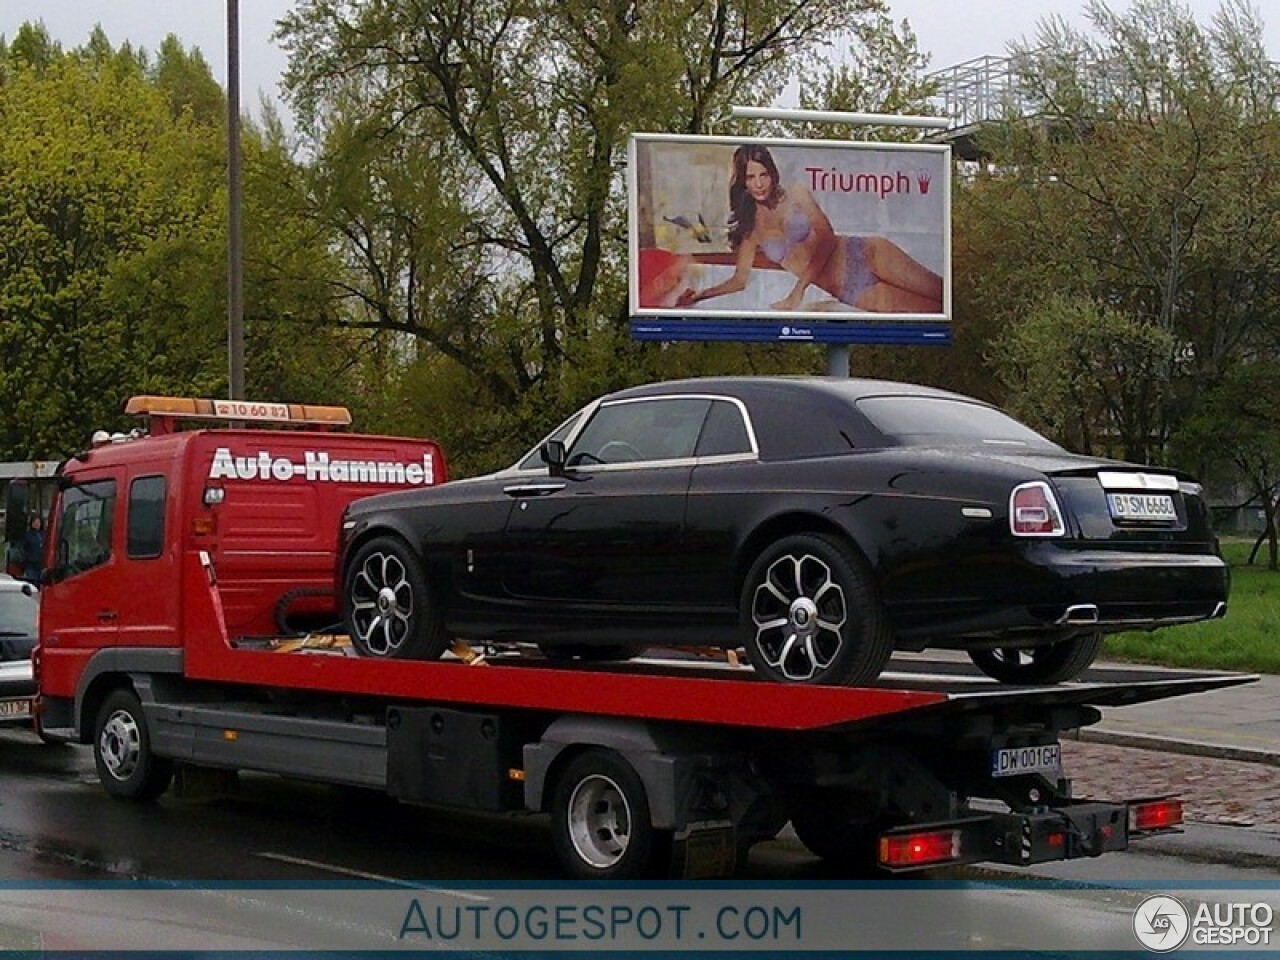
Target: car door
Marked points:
609	530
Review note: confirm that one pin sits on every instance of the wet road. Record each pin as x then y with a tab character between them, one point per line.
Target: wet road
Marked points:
57	825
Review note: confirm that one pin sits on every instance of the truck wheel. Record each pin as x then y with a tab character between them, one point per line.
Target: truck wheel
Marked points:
809	614
832	825
1052	663
122	750
388	606
600	821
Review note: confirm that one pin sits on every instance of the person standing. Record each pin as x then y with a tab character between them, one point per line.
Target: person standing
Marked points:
33	550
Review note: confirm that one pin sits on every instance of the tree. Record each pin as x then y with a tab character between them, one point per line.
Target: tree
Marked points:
470	160
1139	182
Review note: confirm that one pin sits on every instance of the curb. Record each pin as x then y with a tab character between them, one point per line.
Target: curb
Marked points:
1192	748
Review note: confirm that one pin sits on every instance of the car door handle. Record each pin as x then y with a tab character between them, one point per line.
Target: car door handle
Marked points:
106	616
532	489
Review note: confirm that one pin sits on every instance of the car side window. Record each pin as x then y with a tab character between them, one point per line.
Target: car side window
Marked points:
641	431
84	527
144	536
533	460
725	432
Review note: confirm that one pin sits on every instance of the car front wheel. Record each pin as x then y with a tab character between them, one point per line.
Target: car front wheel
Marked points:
809	614
388	606
1051	663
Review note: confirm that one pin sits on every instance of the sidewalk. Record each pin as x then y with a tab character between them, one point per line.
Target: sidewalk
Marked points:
1237	723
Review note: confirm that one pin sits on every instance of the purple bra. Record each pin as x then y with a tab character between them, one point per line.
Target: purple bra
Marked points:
797	232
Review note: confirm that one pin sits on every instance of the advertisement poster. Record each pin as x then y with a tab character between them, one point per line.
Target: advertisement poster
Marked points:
805	234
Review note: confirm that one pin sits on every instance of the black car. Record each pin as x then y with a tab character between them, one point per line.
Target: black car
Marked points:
818	523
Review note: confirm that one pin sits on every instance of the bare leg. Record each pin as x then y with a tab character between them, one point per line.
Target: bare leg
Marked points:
891	264
886	298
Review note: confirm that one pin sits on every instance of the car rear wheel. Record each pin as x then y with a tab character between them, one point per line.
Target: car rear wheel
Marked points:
809	614
388	606
1051	663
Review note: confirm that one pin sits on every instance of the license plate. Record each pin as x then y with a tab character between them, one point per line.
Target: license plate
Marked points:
15	709
1141	506
1017	761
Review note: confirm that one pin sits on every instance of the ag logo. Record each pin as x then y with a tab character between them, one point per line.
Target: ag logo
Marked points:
1161	923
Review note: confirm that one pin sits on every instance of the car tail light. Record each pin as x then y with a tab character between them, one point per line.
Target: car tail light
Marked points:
902	850
1034	512
1162	814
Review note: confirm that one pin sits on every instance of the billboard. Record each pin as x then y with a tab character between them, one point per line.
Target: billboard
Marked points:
761	239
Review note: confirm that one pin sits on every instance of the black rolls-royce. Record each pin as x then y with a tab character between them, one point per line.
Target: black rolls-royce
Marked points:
818	523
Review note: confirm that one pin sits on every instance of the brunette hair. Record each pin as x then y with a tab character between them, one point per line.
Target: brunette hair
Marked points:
742	208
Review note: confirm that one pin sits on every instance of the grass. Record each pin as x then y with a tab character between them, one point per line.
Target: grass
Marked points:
1248	638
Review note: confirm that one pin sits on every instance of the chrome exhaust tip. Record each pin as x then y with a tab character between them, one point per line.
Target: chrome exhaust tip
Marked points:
1080	614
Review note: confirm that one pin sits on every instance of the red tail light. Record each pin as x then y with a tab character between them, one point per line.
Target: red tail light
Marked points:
1161	814
1034	512
919	849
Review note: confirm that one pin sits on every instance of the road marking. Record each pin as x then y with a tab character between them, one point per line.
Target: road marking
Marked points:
362	875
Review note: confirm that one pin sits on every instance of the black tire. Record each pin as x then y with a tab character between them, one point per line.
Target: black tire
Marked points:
600	822
598	652
1052	663
122	750
387	606
811	589
832	825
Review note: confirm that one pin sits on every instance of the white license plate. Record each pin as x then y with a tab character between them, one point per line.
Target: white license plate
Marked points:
15	709
1017	761
1141	506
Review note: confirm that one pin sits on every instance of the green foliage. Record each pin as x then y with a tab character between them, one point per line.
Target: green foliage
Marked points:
1085	374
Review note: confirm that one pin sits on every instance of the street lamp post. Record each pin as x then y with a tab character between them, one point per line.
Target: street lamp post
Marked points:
235	275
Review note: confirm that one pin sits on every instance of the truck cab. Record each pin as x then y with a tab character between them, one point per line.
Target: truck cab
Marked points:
255	488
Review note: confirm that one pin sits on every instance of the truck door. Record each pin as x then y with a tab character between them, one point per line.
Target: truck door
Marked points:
80	600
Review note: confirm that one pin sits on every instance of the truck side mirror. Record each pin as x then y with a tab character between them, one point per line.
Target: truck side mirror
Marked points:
553	455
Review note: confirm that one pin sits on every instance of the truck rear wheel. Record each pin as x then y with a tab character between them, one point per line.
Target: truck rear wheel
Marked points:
836	827
387	604
600	821
122	750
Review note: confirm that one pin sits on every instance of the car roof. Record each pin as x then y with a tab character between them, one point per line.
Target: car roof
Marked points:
798	417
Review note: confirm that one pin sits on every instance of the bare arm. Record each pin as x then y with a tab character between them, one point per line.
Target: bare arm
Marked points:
736	282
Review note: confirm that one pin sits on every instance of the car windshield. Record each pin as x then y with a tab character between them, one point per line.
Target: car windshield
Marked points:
942	421
17	614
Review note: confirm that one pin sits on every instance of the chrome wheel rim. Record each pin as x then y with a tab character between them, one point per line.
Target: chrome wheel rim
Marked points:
381	604
120	745
799	612
599	821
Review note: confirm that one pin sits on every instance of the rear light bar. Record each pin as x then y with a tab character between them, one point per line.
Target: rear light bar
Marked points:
1034	511
1149	816
904	850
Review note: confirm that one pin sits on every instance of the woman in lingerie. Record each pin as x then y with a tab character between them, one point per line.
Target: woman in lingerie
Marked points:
788	228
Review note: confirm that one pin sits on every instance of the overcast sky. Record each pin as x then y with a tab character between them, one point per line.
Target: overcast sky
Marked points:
951	31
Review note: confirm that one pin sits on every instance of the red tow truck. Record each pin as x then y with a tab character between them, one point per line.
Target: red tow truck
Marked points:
188	618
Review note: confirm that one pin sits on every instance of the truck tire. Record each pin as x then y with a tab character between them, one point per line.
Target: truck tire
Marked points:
1052	663
122	750
600	821
809	614
831	825
387	604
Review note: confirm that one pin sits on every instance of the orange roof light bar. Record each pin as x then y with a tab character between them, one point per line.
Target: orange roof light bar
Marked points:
191	408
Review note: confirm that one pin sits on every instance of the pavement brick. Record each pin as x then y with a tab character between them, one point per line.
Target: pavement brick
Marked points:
1227	792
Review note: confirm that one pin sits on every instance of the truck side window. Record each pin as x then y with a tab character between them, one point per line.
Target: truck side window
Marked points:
144	534
84	527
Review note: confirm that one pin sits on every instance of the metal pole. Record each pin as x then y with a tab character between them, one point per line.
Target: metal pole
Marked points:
235	275
838	360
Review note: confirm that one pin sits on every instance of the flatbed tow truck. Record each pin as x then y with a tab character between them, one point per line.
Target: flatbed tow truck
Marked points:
652	768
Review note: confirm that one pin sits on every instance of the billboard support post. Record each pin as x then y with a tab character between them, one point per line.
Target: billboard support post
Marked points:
838	354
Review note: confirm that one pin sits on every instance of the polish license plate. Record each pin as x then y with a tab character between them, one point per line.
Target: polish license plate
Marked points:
1018	761
1141	506
15	709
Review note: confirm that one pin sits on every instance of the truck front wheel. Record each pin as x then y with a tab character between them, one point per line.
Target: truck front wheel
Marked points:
600	821
122	750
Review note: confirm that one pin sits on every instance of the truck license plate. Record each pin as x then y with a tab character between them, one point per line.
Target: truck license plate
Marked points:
1141	506
1018	761
15	709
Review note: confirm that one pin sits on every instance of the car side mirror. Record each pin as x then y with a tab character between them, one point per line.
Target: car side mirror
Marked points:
553	455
